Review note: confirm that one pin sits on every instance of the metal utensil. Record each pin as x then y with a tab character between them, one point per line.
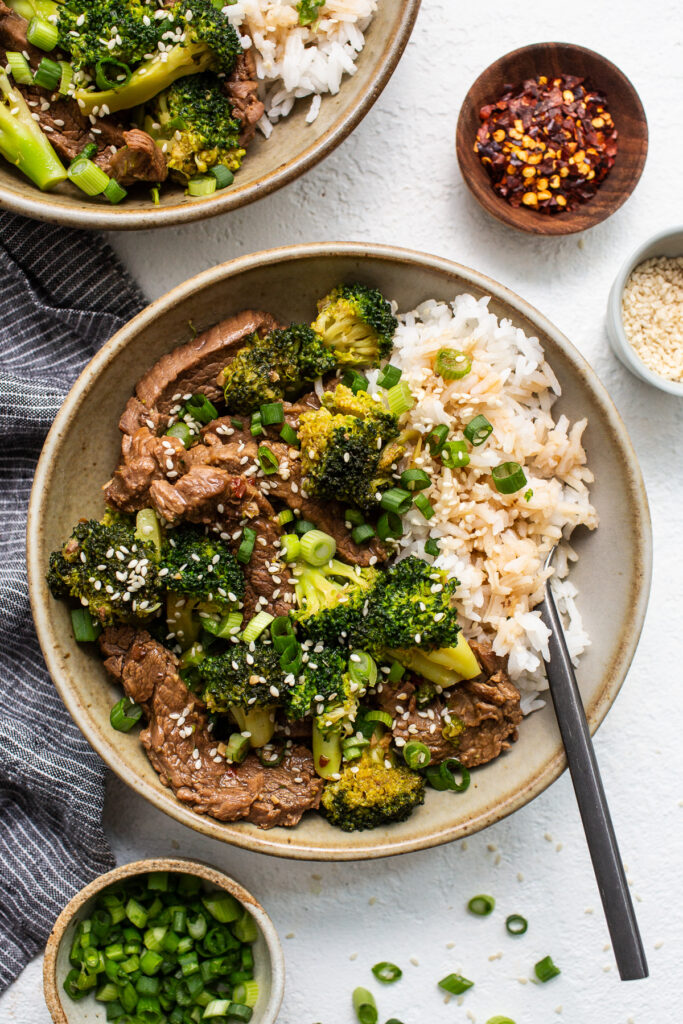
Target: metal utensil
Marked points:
590	796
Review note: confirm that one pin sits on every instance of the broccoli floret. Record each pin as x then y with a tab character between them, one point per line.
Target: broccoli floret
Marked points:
202	566
205	41
356	322
195	120
332	600
415	606
274	367
109	570
241	677
322	682
23	143
110	30
369	794
348	448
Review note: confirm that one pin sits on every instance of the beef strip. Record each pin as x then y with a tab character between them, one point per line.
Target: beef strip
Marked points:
144	459
187	761
488	706
241	88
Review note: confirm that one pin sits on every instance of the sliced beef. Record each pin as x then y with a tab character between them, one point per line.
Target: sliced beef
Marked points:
412	724
144	459
184	753
242	89
140	159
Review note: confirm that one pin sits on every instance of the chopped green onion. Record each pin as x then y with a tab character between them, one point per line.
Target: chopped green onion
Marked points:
244	551
362	533
302	526
400	398
124	715
432	547
508	477
365	1006
478	430
289	436
351	752
42	34
237	424
417	755
224	628
415	480
48	76
108	993
116	78
201	409
267	460
222	174
545	969
66	79
87	176
202	186
114	192
84	626
216	1008
396	672
256	426
397	500
237	1012
442	776
272	413
19	67
528	495
87	153
246	993
290	547
387	972
281	632
436	438
286	516
291	658
147	529
389	526
394	1020
255	626
389	376
182	432
317	548
154	192
451	364
237	748
355	380
455	984
270	757
353	516
222	906
500	1020
380	716
481	906
454	455
424	505
516	924
363	669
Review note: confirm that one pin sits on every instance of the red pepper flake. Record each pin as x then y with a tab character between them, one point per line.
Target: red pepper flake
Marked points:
547	145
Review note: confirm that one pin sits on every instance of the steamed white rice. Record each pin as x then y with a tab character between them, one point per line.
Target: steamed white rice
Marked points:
294	61
496	544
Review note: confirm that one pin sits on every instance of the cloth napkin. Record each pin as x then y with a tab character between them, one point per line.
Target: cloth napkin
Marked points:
63	293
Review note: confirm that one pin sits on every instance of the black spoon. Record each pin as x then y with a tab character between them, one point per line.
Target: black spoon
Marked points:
590	796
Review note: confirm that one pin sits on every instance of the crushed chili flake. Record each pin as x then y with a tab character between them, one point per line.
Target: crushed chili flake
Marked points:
547	144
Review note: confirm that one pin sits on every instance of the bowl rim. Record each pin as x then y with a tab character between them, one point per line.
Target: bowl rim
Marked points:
181	865
293	848
557	226
120	218
617	335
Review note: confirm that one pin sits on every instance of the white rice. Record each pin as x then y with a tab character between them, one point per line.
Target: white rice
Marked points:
496	544
293	61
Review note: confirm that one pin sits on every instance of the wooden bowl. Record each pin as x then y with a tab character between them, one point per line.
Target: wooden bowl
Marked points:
293	148
612	574
553	59
268	957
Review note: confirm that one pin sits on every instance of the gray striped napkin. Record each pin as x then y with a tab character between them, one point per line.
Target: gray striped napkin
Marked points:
62	294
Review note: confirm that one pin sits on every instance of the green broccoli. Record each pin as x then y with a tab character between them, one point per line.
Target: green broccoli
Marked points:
274	367
332	600
321	682
193	123
110	31
415	606
201	566
356	322
109	569
23	143
368	794
348	448
245	680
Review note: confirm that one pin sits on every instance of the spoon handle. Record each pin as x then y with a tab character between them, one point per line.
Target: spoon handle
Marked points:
590	795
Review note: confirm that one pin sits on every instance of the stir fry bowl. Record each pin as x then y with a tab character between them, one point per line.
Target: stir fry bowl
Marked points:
612	574
269	960
293	148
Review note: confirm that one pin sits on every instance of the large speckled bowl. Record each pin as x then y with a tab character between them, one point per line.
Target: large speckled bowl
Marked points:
293	148
613	574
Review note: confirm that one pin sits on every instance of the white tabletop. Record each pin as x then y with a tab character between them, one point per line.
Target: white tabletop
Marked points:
396	180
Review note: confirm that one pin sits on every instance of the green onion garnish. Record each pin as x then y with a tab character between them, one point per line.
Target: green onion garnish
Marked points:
87	176
508	477
272	413
281	632
432	547
19	67
124	715
48	76
84	626
155	194
42	34
290	436
237	748
204	185
255	626
114	192
516	924
112	74
66	79
201	409
237	424
286	516
87	153
302	526
478	430
394	1020
454	455
528	494
387	972
417	755
481	906
455	984
397	500
271	756
383	717
362	533
224	628
400	398
182	432
246	547
291	658
500	1020
222	174
267	460
353	516
396	672
452	364
443	776
355	381
436	438
290	547
545	969
363	669
389	526
425	506
415	480
317	548
389	376
256	427
365	1006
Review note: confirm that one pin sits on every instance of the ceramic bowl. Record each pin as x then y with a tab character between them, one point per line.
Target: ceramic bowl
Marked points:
624	105
665	243
268	957
83	446
293	148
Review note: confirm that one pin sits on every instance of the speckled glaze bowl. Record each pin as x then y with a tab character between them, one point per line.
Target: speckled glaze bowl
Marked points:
268	957
293	148
613	574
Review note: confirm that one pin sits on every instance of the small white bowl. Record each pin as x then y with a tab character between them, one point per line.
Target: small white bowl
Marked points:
268	957
666	243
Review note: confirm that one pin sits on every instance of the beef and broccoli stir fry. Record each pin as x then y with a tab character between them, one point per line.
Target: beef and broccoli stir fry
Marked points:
243	587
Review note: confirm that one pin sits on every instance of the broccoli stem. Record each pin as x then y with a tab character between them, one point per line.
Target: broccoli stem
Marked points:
31	8
327	752
259	722
23	143
180	619
150	78
446	667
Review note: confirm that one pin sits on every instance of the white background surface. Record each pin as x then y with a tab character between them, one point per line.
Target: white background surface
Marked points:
396	180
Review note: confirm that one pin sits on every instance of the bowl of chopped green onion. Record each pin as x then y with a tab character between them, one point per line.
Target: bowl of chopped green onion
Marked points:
164	940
